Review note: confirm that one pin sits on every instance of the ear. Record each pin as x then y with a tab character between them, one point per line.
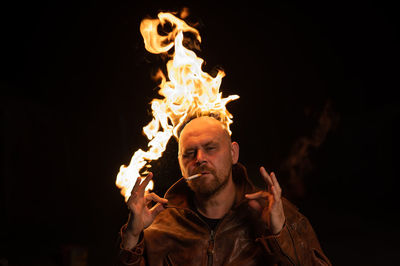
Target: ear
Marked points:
235	152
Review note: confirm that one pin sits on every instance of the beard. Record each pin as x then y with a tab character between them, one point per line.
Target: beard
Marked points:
210	186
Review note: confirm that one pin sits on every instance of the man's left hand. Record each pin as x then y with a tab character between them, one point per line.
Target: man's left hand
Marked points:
269	203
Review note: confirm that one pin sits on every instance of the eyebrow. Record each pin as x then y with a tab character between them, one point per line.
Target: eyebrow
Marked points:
211	142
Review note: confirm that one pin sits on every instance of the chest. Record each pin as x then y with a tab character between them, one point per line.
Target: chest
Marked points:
191	242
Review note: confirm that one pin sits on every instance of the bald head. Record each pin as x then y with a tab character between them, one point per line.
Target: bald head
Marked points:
204	125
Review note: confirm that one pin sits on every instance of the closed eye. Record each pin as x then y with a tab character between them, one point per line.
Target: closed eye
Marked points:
188	154
211	147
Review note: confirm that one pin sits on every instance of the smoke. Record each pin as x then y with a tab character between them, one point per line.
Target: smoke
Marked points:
299	164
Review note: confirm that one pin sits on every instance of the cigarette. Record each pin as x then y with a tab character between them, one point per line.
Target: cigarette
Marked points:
193	176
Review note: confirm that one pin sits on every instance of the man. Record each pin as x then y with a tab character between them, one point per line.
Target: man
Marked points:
218	218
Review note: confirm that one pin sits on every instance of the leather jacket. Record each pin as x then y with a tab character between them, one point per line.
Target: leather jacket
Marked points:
178	236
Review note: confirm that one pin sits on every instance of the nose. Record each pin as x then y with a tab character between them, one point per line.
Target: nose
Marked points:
200	157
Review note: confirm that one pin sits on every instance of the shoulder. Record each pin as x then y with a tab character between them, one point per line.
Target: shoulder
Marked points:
292	213
295	219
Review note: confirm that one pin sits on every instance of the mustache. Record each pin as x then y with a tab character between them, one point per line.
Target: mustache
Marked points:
201	169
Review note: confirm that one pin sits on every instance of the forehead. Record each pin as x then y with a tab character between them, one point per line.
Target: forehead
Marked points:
202	129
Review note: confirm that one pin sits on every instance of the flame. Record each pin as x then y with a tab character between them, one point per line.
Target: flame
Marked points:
188	92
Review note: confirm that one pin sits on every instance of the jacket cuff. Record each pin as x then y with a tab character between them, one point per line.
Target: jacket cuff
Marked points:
280	244
131	256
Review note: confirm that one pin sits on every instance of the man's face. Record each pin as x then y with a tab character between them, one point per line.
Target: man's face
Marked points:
205	147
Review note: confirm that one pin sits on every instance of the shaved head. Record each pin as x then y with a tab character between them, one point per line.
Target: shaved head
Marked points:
204	122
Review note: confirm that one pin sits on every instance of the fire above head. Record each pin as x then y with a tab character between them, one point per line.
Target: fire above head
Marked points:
188	92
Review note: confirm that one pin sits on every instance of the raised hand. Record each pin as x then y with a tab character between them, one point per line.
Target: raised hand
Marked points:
141	216
269	203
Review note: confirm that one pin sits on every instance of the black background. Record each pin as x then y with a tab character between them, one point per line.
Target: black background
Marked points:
75	91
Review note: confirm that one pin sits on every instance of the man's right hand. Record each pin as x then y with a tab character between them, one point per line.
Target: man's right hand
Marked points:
141	216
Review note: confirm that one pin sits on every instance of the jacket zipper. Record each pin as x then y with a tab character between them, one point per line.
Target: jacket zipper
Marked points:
210	249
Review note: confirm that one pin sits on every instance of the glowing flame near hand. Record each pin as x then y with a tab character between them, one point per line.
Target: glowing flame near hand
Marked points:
188	92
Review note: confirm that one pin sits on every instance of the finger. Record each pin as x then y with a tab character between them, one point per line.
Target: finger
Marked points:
136	185
259	204
156	210
154	197
275	193
134	190
275	181
257	195
266	176
144	184
132	196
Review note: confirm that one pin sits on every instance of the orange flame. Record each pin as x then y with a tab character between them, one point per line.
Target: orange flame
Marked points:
188	92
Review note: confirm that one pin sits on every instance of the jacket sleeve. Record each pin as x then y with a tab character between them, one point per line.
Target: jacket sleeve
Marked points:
134	256
296	244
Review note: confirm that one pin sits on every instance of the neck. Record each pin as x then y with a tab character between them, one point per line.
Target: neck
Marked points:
216	206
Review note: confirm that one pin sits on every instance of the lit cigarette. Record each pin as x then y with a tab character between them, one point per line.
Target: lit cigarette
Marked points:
193	176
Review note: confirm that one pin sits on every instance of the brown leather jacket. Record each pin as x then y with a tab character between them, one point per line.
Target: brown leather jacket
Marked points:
178	236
